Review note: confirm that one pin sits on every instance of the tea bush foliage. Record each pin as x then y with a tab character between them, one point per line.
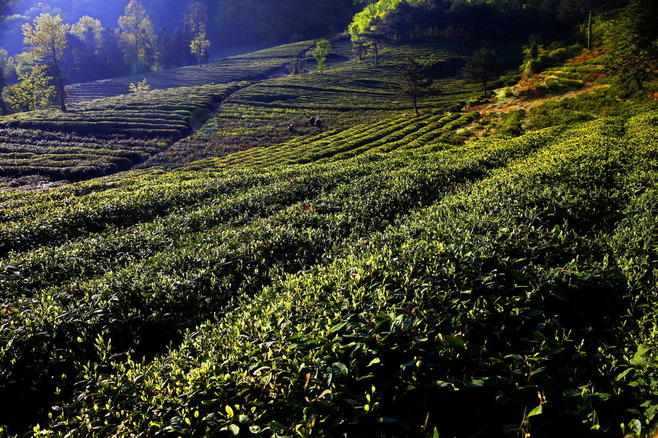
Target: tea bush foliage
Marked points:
399	276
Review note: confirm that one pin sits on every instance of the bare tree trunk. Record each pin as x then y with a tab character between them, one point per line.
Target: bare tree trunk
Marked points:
415	102
3	105
589	30
62	96
376	53
59	87
484	86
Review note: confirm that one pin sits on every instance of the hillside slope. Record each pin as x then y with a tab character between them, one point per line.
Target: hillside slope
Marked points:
247	67
401	290
349	93
462	273
167	127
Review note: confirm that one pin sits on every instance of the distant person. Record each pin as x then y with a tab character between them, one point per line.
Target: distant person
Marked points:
318	123
311	122
292	128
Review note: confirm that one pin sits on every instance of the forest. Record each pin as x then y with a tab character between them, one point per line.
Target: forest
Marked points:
345	218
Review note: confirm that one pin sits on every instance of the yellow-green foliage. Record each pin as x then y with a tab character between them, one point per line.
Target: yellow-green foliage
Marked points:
363	21
358	283
34	91
103	136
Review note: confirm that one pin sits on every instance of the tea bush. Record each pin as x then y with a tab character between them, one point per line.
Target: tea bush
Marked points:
513	302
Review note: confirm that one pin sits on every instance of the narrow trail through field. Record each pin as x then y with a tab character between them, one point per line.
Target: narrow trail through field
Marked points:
195	125
198	124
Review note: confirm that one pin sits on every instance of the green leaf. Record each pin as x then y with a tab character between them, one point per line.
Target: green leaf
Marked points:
639	359
623	374
276	426
455	342
337	327
340	369
375	361
536	411
235	429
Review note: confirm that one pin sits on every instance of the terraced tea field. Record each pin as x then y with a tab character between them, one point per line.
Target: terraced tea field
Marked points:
431	131
389	262
247	67
348	93
103	136
385	274
166	127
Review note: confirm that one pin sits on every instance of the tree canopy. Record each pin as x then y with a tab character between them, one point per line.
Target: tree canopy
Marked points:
199	47
47	41
320	52
482	67
414	84
137	35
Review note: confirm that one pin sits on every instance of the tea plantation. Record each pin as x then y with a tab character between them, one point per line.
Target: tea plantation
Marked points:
250	66
349	93
103	136
384	274
168	127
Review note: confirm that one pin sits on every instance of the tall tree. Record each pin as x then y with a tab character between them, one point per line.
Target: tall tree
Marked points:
33	92
413	82
4	61
199	47
111	59
137	35
165	51
586	9
482	67
374	41
90	31
320	52
196	18
47	40
85	45
632	39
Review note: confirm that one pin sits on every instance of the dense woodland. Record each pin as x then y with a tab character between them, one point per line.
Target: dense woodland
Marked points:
90	49
144	36
294	218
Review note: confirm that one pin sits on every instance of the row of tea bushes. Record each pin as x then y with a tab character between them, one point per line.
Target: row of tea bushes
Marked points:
103	136
509	306
347	94
196	257
250	66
